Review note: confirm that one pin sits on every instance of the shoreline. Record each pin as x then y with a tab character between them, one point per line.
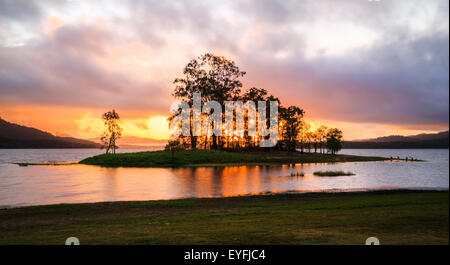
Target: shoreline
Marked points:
260	193
394	216
71	163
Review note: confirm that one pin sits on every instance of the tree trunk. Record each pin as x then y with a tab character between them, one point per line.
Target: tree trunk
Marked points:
214	145
109	145
193	142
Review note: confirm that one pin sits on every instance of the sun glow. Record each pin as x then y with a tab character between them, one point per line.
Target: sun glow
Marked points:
159	127
155	127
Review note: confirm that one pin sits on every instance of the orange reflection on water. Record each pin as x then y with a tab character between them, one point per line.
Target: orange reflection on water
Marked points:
82	183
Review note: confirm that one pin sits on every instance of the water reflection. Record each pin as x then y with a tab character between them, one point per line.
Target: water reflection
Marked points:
81	183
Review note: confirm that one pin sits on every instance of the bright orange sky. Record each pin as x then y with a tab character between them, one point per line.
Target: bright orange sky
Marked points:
87	124
369	68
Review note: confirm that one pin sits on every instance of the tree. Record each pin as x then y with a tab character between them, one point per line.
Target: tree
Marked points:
218	78
291	121
334	140
253	94
173	146
303	135
315	139
112	133
215	77
321	135
309	136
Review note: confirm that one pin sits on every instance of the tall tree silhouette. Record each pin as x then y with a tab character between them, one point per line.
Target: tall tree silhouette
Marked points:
303	135
215	77
321	135
253	94
112	132
291	118
334	140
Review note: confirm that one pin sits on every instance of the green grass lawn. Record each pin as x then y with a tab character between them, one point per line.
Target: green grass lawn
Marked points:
394	217
189	158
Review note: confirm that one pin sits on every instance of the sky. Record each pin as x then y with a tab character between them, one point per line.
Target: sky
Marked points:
370	68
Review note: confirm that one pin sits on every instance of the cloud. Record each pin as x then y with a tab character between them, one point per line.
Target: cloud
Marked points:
391	82
19	9
68	68
354	61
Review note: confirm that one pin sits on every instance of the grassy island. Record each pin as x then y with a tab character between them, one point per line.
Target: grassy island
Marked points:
188	158
394	217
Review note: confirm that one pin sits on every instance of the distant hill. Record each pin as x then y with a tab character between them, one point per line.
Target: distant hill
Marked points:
425	140
18	136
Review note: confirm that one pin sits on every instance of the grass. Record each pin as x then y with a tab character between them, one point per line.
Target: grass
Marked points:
190	158
332	173
394	217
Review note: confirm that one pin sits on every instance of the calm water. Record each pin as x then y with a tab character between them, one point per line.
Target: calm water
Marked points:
35	185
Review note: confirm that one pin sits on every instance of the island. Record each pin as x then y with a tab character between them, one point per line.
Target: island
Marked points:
198	158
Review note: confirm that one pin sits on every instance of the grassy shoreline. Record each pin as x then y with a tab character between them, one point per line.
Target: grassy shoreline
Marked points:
198	158
394	217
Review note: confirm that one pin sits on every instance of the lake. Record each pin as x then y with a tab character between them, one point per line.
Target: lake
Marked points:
36	185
